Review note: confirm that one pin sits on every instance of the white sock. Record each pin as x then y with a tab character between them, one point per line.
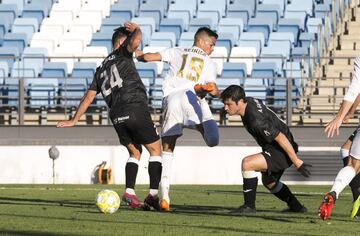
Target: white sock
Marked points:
130	191
153	192
167	158
342	179
344	152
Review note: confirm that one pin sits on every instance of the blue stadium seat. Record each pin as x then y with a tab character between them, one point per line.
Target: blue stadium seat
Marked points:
5	26
20	71
252	39
18	40
196	23
9	55
147	70
154	11
186	39
261	25
321	10
9	11
234	70
54	70
102	39
19	4
163	39
281	38
185	10
25	25
290	25
312	24
84	69
242	10
11	92
37	10
269	12
124	9
41	91
231	25
299	52
280	3
175	25
226	40
34	58
111	23
264	70
71	90
277	54
213	5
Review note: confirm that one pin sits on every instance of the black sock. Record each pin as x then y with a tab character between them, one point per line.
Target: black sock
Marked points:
131	170
355	182
155	174
249	188
286	195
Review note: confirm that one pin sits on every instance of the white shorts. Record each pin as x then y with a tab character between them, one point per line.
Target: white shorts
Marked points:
183	109
355	146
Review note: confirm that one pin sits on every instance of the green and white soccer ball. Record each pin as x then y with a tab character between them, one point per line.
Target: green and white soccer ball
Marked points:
107	201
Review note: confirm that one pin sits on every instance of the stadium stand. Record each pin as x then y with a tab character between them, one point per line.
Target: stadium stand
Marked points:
67	38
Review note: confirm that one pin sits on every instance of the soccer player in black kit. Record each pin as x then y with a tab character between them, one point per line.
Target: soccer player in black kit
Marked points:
119	83
278	150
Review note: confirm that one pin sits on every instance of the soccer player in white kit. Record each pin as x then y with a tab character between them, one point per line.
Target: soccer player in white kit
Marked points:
184	106
346	174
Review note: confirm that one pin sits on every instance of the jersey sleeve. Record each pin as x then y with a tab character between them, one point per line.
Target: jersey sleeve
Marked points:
266	130
167	55
354	87
210	72
95	86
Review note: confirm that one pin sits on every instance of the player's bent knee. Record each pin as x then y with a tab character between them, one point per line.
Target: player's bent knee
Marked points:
212	141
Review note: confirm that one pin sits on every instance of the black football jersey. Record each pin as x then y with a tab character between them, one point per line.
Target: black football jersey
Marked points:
264	125
119	82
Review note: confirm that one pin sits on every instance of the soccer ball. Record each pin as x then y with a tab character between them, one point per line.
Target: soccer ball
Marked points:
107	201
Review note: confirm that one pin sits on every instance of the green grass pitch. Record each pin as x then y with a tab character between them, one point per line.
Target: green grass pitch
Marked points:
197	210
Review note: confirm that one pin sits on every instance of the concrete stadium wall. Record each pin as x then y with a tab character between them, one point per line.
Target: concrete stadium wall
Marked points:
24	156
192	165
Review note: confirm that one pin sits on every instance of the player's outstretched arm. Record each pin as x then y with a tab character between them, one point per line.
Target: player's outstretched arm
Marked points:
84	104
334	125
300	166
146	57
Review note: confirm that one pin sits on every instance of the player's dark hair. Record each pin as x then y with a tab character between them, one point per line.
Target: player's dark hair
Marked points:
119	32
205	30
235	92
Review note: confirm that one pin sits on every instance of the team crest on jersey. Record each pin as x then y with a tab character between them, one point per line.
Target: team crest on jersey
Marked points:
258	105
267	133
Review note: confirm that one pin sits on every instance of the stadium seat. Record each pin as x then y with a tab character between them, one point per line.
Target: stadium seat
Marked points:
25	25
185	10
175	25
9	55
37	10
219	56
226	40
278	38
152	11
9	11
94	54
243	10
18	40
252	39
92	18
245	55
290	25
147	26
276	53
94	5
43	40
196	23
5	26
19	4
4	70
147	72
41	91
84	69
54	70
261	25
102	39
124	9
312	24
34	58
299	52
11	92
270	12
163	39
231	25
214	6
187	39
234	70
71	90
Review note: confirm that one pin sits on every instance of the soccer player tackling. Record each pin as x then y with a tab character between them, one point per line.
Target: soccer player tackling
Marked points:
191	76
278	150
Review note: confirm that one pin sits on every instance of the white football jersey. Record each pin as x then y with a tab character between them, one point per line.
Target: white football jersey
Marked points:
188	66
354	87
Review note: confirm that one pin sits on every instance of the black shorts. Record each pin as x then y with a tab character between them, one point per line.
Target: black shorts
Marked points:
135	126
277	160
352	136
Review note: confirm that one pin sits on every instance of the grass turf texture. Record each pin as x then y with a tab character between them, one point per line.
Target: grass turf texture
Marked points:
197	210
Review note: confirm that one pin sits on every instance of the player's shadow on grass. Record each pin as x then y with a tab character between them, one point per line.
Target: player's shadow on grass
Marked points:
26	233
42	202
